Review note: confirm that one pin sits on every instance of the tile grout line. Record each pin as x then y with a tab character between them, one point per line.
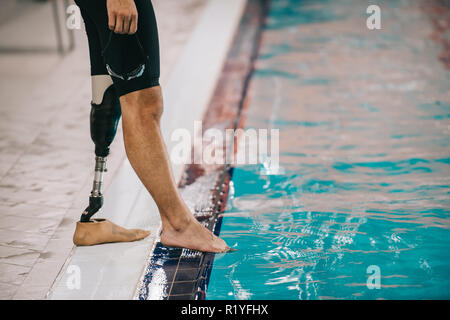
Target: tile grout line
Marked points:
174	275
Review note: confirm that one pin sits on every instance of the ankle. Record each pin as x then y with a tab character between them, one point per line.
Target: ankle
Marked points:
177	223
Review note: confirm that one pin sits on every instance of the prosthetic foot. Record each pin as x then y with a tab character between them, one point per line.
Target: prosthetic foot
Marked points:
98	231
104	119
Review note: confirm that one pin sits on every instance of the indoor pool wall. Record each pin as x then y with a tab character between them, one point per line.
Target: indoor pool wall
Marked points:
364	149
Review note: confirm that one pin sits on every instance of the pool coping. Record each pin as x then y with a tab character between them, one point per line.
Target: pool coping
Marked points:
182	274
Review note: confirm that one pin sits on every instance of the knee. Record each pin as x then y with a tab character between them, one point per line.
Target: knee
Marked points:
143	105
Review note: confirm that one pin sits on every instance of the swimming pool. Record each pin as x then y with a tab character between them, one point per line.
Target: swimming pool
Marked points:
364	146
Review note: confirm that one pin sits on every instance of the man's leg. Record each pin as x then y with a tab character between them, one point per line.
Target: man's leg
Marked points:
145	148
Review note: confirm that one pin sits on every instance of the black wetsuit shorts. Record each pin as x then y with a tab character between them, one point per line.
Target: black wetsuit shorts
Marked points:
121	53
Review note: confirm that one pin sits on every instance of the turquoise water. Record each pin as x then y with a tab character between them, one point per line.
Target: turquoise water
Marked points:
366	165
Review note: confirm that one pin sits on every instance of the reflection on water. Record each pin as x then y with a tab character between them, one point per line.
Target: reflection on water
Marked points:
364	147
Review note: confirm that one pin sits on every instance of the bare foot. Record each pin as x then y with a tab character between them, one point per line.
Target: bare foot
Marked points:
193	236
104	231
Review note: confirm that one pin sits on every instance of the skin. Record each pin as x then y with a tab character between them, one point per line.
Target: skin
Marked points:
146	151
122	16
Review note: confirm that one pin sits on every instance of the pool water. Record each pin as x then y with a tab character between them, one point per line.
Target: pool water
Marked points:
364	150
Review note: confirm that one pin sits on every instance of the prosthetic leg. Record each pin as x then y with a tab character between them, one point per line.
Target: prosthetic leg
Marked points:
104	119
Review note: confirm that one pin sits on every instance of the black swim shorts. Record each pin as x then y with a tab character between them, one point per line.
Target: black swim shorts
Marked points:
122	52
